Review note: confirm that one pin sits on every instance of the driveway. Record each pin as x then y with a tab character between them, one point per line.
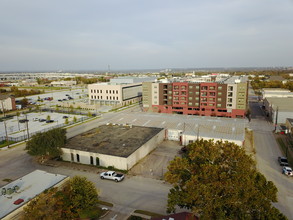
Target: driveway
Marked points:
155	164
267	151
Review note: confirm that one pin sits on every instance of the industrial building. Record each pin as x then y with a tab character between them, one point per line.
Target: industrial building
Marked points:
276	93
278	109
123	91
188	128
15	195
115	145
224	98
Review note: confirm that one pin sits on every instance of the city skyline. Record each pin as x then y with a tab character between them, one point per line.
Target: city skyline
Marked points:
77	35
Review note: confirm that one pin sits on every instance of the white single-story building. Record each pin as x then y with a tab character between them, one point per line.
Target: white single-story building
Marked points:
63	83
119	146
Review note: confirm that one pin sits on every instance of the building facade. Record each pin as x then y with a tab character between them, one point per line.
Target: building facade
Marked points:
7	103
196	98
119	91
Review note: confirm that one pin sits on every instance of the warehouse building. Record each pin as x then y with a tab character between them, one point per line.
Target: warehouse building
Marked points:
15	195
113	145
278	109
276	93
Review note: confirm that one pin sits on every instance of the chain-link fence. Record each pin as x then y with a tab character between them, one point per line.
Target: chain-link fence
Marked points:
25	136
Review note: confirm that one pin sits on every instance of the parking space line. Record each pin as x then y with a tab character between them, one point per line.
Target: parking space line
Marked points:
146	123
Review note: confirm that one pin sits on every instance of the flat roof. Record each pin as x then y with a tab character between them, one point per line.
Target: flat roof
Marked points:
283	104
115	140
205	126
30	186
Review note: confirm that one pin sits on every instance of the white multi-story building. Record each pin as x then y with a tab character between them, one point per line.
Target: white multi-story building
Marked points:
7	103
122	91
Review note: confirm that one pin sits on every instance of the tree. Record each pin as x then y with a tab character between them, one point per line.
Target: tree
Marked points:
74	119
78	195
48	118
47	144
219	181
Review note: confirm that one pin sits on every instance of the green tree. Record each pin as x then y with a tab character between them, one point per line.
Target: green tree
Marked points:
24	102
74	119
48	118
78	195
66	121
47	144
220	181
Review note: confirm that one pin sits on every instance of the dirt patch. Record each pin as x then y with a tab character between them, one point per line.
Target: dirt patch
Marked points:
249	143
155	164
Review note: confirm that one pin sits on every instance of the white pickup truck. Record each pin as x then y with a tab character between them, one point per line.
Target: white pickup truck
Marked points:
112	175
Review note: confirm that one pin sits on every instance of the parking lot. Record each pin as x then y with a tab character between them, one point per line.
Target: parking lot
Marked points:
36	122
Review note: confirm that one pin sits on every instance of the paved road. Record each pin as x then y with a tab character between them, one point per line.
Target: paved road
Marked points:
267	151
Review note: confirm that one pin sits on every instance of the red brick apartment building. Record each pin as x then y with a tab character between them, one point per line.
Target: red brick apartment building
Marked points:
219	99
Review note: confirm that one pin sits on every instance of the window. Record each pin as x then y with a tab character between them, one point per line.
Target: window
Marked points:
197	87
170	97
183	87
196	93
72	157
155	97
212	87
190	87
91	160
116	98
97	91
176	93
91	91
100	91
219	105
183	103
77	157
219	93
189	103
219	87
219	99
116	91
196	98
190	93
110	91
182	98
92	96
107	97
204	87
106	91
169	92
189	98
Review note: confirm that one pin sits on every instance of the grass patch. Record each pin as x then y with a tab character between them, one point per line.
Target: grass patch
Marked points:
152	214
4	143
285	148
7	180
93	213
133	217
105	203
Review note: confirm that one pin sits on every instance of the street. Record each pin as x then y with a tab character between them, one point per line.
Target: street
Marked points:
267	151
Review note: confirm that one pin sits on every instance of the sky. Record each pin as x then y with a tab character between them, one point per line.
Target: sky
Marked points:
40	35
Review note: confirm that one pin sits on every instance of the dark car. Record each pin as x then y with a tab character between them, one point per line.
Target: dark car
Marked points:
42	120
283	161
23	120
70	97
59	100
49	121
65	116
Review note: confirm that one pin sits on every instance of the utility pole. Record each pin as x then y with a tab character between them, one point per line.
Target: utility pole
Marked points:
7	141
276	121
26	121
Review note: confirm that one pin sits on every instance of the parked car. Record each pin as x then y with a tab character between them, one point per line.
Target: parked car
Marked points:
69	97
35	119
42	120
287	171
65	116
59	100
23	120
112	175
283	161
49	121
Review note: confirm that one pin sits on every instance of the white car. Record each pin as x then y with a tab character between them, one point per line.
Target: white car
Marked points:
112	175
287	171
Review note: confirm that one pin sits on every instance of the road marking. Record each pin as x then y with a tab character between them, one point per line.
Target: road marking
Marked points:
120	119
114	217
146	123
134	120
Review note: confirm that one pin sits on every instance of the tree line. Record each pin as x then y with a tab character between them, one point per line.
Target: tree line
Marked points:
259	83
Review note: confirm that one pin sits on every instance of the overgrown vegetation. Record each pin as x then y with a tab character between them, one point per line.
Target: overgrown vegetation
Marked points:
220	181
78	198
47	144
24	92
258	83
